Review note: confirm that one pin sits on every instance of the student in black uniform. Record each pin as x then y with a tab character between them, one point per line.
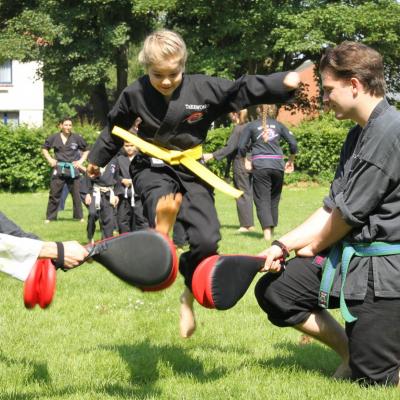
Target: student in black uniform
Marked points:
66	164
267	164
241	177
358	227
130	211
101	200
177	110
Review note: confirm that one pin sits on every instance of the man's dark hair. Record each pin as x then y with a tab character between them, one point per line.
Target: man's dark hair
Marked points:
356	60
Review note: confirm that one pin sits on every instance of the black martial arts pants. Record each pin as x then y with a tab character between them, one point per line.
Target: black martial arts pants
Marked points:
290	297
197	214
56	187
242	180
267	189
130	218
105	216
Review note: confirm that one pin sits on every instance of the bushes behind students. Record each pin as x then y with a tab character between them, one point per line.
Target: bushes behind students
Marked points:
319	142
23	168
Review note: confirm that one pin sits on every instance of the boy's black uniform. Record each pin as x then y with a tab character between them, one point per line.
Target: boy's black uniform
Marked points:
366	190
130	210
268	166
182	124
64	172
101	190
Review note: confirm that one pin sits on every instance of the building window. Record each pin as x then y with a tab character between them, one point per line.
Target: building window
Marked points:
9	117
6	72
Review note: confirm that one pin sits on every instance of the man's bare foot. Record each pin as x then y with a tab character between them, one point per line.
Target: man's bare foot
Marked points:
343	371
166	211
187	323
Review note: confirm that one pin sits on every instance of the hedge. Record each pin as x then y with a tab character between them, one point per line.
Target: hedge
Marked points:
319	143
23	168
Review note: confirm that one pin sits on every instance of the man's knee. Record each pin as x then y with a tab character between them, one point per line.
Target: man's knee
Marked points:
267	298
280	311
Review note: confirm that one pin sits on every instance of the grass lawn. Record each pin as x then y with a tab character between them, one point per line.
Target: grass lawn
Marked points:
102	339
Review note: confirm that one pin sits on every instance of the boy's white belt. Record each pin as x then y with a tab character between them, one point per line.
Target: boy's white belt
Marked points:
188	158
97	190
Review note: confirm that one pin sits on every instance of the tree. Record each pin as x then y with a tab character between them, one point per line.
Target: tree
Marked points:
78	43
248	36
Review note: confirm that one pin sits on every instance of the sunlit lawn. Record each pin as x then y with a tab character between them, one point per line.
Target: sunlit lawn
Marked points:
102	339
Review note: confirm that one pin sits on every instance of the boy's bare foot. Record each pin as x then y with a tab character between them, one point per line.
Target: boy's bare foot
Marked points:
187	322
166	211
343	371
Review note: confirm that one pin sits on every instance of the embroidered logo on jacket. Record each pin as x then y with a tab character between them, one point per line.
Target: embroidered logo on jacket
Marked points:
194	117
196	107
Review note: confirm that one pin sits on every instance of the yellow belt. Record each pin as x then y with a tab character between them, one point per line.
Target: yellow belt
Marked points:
188	158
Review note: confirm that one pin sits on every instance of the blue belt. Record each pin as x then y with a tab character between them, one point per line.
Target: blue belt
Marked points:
64	165
347	251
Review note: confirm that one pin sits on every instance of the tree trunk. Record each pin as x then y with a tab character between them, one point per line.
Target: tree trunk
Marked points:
122	69
99	102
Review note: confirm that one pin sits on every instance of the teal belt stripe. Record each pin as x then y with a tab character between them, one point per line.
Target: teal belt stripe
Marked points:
64	165
348	250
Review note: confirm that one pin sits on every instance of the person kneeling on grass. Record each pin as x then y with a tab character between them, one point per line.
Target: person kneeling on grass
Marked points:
348	251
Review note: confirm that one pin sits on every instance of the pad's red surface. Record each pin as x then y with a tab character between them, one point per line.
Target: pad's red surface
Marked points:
40	285
47	284
145	259
201	282
220	281
174	268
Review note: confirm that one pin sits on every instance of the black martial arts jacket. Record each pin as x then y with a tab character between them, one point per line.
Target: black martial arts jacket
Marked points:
184	121
10	228
366	190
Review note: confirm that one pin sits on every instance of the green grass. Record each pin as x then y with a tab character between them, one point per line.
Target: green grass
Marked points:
102	339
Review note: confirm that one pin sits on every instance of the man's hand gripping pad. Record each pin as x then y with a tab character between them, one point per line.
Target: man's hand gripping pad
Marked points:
220	281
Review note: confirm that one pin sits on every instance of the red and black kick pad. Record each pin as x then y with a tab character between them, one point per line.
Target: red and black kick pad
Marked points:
145	259
220	281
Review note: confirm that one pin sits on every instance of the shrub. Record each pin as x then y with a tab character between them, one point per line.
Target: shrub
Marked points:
319	143
22	166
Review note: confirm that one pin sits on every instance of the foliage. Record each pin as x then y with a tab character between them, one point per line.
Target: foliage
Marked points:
319	142
77	42
23	168
88	46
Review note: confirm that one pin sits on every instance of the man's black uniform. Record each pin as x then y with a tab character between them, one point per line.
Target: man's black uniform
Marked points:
366	189
181	124
62	174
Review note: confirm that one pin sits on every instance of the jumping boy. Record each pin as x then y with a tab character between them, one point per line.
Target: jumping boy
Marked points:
359	222
176	111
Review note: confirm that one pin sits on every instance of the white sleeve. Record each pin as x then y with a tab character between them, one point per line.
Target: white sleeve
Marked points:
18	255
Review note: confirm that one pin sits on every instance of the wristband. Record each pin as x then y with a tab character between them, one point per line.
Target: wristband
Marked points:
285	251
59	261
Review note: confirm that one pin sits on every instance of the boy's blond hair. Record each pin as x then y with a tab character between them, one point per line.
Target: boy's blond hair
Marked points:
161	45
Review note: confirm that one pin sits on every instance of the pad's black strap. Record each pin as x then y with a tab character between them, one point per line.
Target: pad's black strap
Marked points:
59	261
